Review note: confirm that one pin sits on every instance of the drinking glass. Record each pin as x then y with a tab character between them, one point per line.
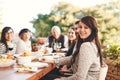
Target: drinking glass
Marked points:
10	48
58	45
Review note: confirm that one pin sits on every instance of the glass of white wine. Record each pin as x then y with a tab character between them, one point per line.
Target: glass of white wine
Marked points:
59	45
10	48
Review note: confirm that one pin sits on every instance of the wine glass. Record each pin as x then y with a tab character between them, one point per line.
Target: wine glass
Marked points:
10	48
58	45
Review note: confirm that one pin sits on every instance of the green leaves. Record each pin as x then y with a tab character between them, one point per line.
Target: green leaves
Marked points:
113	53
65	14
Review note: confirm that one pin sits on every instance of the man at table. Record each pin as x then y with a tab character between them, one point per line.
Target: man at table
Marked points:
57	37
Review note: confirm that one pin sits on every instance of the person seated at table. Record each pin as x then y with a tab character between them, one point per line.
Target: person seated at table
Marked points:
73	34
40	41
57	37
87	57
71	40
24	42
76	28
6	44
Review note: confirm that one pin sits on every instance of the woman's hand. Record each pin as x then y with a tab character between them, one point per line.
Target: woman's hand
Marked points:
65	69
43	59
57	79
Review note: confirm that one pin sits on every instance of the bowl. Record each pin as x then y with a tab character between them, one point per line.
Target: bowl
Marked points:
6	62
23	60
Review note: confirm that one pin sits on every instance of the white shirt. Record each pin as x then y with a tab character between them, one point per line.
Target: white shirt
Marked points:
3	48
65	42
23	46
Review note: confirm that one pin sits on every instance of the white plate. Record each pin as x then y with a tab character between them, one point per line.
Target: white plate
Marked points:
64	49
36	54
36	64
60	54
23	60
31	67
7	63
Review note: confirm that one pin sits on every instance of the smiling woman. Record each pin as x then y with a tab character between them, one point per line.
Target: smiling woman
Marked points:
7	45
86	61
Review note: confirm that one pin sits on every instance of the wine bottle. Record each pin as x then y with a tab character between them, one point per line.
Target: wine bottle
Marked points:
53	45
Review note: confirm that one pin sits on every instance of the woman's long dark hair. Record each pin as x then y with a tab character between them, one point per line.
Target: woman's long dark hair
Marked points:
3	39
92	24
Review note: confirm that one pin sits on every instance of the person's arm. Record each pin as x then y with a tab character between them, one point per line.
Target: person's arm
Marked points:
2	48
63	60
84	63
58	61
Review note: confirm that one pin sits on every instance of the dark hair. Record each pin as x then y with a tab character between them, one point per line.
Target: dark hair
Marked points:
25	30
3	39
69	42
92	24
77	22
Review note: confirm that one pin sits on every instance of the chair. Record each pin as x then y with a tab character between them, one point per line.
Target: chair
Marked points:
103	72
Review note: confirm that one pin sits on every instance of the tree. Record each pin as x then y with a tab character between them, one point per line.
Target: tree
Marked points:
42	25
65	14
62	15
108	17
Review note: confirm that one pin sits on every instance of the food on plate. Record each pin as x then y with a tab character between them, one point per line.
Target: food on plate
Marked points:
6	62
3	56
26	54
45	51
22	68
30	67
10	56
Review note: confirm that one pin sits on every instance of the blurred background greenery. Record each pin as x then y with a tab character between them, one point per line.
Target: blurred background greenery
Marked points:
65	14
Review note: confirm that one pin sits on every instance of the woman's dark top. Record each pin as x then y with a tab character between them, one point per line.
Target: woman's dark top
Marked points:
59	40
70	50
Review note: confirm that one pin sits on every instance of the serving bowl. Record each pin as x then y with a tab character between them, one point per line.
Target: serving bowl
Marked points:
24	59
6	62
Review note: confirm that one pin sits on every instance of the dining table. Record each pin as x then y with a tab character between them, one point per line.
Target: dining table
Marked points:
9	73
